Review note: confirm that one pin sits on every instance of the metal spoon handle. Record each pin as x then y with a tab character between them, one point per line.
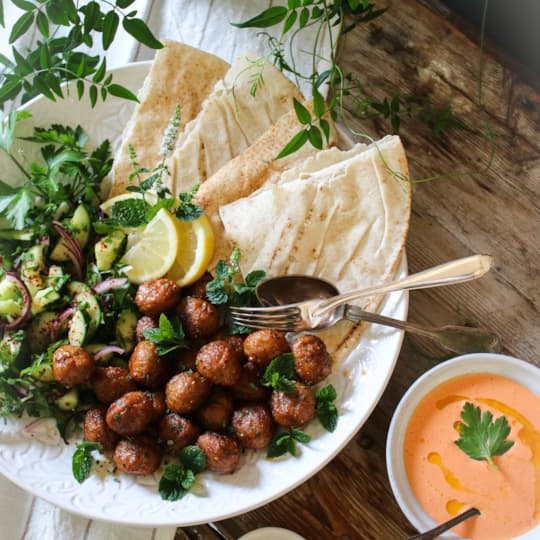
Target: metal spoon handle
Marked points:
434	533
458	339
458	271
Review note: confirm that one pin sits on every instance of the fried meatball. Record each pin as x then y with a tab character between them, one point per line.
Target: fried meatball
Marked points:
254	426
312	363
216	413
146	366
187	360
97	430
72	365
198	288
293	409
262	346
177	432
109	383
156	296
186	392
145	323
235	341
248	387
218	362
131	413
158	405
222	452
137	455
200	319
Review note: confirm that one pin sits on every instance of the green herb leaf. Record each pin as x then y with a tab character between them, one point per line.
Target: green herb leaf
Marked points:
82	460
269	17
193	458
130	212
23	23
122	92
327	413
481	438
140	31
279	374
285	443
294	144
168	337
303	115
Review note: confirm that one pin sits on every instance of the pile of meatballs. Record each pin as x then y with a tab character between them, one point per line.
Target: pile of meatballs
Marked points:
210	394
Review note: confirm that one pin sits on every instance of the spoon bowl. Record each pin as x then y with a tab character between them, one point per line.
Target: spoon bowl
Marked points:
282	290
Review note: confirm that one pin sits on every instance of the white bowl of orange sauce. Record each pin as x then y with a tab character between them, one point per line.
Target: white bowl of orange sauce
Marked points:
433	479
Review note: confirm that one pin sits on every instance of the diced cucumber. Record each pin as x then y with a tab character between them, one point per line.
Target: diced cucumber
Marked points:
80	223
69	401
109	249
82	295
31	269
43	372
39	331
78	328
125	329
10	308
43	299
13	348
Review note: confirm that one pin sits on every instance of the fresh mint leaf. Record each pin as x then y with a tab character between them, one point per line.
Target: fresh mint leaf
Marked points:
326	409
279	374
481	438
130	212
178	478
187	210
285	443
82	460
168	337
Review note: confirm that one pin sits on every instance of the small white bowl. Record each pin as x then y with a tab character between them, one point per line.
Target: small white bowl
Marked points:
520	371
271	533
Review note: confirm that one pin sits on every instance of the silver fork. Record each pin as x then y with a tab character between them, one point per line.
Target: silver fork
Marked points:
317	314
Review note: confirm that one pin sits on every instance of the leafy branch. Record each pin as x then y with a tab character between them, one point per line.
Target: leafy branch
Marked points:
56	59
337	18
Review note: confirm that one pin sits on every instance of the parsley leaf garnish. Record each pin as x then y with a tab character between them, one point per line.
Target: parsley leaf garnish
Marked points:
481	438
286	443
326	409
178	478
82	460
280	373
168	337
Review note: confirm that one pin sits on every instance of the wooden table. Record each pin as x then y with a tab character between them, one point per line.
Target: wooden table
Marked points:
425	50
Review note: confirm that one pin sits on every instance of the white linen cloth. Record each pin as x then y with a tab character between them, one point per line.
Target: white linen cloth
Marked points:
203	24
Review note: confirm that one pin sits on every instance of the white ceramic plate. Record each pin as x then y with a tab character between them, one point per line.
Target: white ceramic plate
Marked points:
520	371
40	463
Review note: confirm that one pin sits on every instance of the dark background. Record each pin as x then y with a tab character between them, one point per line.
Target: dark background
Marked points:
514	25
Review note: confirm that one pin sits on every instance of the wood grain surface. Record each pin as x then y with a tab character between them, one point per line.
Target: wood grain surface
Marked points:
420	48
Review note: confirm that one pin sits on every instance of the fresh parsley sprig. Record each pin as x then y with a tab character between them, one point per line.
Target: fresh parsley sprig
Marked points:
286	442
168	337
178	478
481	438
327	412
279	374
82	460
55	60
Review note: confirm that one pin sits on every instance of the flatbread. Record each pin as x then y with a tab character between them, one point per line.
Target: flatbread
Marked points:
343	216
253	168
180	74
230	121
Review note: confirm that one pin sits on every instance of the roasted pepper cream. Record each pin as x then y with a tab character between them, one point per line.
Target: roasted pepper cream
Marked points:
446	481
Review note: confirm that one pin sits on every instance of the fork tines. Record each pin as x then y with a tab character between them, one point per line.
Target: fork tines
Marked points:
278	317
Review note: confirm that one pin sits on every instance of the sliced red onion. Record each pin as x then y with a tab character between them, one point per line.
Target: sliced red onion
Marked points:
30	428
73	249
107	285
57	323
27	303
108	349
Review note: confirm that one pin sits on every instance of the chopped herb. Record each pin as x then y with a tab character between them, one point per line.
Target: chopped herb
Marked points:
481	438
168	337
286	443
326	409
178	478
280	373
82	460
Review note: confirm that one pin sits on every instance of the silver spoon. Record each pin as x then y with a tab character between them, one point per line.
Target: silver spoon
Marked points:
446	526
283	290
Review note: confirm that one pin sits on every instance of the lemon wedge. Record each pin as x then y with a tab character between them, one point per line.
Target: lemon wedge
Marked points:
195	251
151	251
